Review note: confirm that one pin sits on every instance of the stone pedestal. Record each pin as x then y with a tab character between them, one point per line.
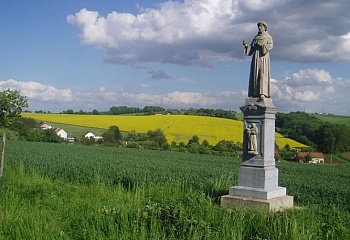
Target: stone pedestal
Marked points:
258	177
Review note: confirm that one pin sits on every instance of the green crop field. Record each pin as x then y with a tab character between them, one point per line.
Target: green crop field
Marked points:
60	191
176	127
335	119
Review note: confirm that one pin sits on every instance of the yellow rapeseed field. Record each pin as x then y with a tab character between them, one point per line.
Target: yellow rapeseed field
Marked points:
176	127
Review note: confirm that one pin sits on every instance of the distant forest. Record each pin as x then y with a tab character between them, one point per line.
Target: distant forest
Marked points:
310	130
152	110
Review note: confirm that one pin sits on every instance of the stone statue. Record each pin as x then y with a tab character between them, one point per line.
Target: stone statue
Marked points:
252	131
259	80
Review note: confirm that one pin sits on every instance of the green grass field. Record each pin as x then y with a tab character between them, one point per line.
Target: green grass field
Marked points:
59	191
176	127
335	119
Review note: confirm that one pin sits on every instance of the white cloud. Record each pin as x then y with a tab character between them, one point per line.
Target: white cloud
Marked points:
180	33
38	91
184	99
313	87
306	96
309	77
286	97
202	32
49	98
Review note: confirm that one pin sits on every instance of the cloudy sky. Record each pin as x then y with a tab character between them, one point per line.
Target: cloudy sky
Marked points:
95	54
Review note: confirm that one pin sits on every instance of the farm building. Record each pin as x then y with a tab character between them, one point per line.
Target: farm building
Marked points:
45	126
92	135
61	133
89	135
316	157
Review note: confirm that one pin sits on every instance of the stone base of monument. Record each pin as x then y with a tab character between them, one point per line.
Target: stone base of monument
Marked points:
257	183
274	204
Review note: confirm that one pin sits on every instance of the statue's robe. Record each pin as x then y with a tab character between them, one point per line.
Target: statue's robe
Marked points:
259	80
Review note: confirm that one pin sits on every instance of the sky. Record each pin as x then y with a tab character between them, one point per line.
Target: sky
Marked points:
95	54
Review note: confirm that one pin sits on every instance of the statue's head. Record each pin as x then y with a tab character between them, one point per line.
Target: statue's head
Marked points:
263	23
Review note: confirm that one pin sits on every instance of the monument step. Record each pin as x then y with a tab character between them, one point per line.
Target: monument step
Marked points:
257	193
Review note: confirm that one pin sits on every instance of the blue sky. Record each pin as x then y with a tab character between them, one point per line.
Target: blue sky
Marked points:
86	55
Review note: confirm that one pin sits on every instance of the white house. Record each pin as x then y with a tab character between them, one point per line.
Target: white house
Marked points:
61	133
98	138
316	157
89	135
45	126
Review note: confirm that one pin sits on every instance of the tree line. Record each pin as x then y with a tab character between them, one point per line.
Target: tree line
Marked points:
151	110
319	135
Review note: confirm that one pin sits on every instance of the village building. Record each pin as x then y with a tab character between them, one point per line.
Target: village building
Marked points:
89	135
92	135
61	133
45	126
316	157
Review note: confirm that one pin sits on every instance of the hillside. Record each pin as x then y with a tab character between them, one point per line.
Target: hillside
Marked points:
176	127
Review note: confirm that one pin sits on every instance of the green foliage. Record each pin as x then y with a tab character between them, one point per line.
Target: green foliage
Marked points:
310	130
112	135
69	111
39	135
219	113
228	147
123	110
333	138
150	110
308	158
153	109
205	143
158	137
287	153
23	125
95	112
11	104
88	141
194	140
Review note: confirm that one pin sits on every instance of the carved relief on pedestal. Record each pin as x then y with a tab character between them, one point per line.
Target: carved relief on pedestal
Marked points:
252	137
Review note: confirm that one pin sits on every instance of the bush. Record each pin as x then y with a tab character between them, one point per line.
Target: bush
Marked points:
133	145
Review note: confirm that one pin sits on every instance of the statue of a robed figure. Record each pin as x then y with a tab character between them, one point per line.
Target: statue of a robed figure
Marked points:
259	49
257	181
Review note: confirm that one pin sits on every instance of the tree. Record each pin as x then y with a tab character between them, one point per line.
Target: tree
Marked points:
11	104
95	112
112	135
205	143
194	140
158	137
69	111
308	158
23	125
